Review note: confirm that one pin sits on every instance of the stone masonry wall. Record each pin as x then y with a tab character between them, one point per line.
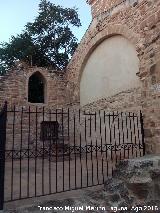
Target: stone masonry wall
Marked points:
14	87
140	24
129	100
102	7
24	128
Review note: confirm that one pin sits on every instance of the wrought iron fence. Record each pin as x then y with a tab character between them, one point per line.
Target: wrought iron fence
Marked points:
46	151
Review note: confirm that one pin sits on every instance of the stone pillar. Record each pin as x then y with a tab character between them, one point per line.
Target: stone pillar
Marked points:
151	108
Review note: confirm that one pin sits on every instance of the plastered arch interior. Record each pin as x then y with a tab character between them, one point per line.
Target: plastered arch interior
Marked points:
110	69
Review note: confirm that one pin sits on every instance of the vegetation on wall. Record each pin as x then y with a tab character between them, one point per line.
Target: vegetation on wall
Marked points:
48	41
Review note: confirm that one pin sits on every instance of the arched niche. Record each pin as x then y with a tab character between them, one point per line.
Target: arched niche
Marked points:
36	88
111	68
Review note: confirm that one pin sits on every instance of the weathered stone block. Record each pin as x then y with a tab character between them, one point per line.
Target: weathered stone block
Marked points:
140	187
148	133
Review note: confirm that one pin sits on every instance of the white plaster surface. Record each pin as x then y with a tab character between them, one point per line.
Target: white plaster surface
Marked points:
110	69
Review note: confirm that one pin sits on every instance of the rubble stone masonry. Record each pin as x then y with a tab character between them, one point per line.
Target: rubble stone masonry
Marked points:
139	22
136	20
14	87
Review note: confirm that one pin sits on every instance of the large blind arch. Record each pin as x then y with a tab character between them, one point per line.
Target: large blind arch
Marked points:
111	68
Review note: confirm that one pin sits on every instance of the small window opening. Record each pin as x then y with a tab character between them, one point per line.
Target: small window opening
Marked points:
36	88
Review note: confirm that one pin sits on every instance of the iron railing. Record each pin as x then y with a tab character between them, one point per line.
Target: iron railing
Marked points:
81	151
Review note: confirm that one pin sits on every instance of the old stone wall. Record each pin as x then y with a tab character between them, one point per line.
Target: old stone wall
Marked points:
14	87
140	24
102	7
24	118
151	107
129	100
130	23
136	21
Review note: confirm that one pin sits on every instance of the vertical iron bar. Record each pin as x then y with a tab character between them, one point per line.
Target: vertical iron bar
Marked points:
81	157
112	170
92	160
101	143
28	162
127	127
123	134
142	132
69	149
107	169
130	125
119	130
97	162
91	146
75	163
102	159
96	146
43	154
134	123
50	148
20	193
3	122
100	128
110	134
112	139
106	147
63	145
138	133
56	159
114	136
134	134
105	130
80	140
90	126
36	154
95	124
119	136
103	169
86	148
12	176
127	130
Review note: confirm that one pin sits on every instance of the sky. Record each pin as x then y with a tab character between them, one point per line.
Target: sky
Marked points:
14	14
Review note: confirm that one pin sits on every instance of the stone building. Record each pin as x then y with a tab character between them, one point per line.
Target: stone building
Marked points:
16	87
115	67
123	40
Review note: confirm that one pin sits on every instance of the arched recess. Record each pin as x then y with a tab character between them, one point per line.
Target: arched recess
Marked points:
37	88
111	68
87	46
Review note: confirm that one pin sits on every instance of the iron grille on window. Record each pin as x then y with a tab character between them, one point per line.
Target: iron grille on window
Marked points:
49	130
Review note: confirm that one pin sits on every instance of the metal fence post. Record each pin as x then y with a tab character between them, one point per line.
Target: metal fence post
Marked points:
3	120
142	132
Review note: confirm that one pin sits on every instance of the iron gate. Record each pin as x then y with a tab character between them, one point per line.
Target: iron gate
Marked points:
45	151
